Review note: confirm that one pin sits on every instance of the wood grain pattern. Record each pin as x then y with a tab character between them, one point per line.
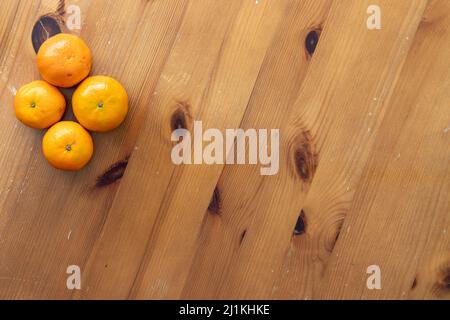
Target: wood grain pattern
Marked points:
224	235
364	153
412	155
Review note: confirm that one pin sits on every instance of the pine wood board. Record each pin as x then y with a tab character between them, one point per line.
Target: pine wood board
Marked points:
364	154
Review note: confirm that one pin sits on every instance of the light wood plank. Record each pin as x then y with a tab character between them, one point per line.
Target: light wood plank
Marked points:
113	267
52	218
172	244
322	126
271	104
400	214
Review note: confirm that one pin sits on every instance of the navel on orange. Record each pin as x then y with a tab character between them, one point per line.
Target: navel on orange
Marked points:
64	60
100	103
39	104
67	146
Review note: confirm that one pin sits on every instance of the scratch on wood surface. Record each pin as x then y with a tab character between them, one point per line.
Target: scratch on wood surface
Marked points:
20	279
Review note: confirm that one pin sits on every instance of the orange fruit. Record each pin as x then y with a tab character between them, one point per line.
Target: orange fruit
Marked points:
67	146
100	103
64	60
39	104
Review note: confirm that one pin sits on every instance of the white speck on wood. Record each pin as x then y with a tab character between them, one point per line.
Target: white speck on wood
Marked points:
68	235
160	286
12	89
48	34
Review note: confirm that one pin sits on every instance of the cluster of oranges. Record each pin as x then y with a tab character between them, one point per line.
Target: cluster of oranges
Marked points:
99	103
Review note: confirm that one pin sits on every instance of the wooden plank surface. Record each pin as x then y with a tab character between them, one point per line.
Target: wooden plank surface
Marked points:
412	155
364	154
